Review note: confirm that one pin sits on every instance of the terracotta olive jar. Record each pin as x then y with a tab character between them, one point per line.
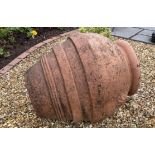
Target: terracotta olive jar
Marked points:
84	78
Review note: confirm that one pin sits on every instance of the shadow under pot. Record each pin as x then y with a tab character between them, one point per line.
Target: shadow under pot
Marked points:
153	37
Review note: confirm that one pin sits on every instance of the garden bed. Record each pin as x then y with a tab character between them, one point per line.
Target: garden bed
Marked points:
22	42
16	109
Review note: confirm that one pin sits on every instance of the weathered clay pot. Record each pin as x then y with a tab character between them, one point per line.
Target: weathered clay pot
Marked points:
83	79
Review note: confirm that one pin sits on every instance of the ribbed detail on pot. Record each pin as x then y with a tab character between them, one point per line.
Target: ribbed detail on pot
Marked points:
52	89
79	70
70	63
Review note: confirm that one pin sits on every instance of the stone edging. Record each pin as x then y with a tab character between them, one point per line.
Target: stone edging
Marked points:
30	50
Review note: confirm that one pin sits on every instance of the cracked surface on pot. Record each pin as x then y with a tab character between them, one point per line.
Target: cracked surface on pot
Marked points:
139	111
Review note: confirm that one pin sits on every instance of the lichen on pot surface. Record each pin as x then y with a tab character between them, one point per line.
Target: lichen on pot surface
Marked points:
83	79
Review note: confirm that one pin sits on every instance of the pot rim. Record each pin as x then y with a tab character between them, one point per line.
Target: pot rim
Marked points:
134	65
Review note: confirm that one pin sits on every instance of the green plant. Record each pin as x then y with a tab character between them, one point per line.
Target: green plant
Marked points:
8	37
61	28
11	39
105	31
6	32
3	32
2	52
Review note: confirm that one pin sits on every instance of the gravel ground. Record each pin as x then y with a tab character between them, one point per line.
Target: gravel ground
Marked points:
139	111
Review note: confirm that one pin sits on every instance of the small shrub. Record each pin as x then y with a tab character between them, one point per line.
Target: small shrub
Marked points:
4	53
8	37
6	32
61	28
11	39
3	32
105	31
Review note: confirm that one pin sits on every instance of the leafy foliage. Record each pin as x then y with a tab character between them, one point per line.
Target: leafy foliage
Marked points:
6	32
61	28
10	35
100	30
4	53
7	36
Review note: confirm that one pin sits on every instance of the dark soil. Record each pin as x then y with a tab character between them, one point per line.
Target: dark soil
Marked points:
23	43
